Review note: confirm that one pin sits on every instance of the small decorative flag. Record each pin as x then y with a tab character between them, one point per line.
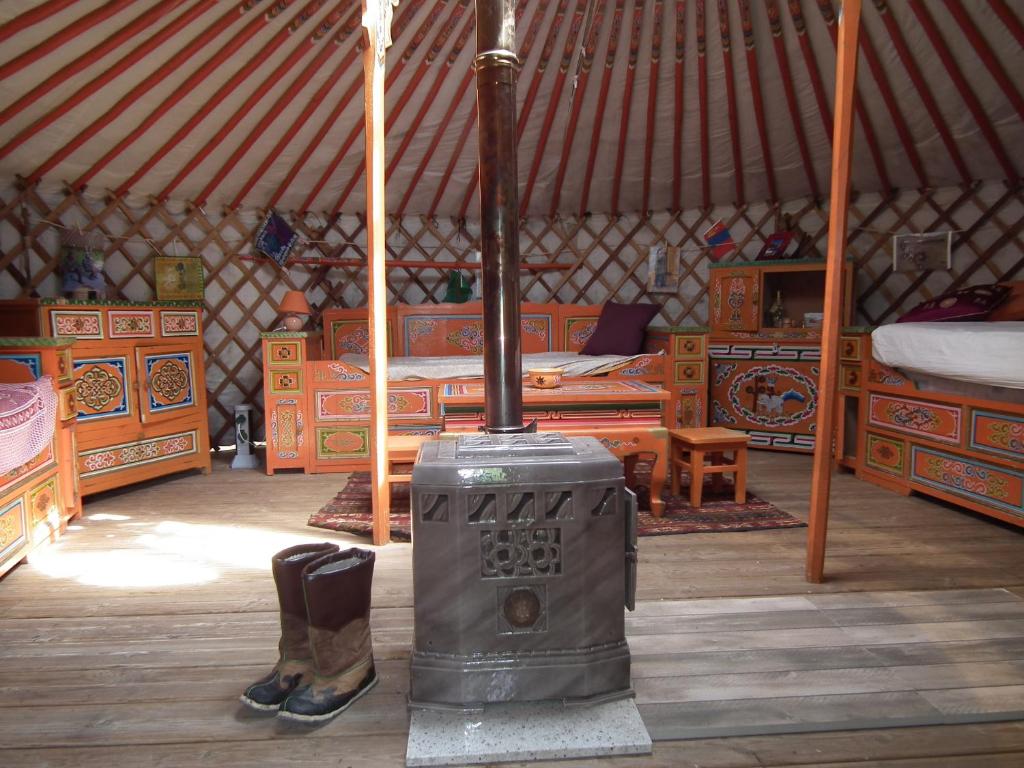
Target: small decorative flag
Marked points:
719	239
275	238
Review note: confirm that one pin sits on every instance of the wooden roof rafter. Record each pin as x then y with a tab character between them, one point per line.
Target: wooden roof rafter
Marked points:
602	100
985	54
1009	19
677	127
828	15
796	16
554	104
702	103
288	94
456	13
442	128
892	106
405	16
351	24
131	29
394	109
111	73
440	77
62	37
924	92
934	36
652	102
635	31
170	66
747	25
524	54
33	16
584	65
782	59
256	94
730	95
206	69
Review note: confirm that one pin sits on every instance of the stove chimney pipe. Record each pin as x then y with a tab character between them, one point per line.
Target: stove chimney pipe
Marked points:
496	71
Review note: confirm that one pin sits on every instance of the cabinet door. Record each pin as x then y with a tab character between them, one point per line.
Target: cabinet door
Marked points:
286	439
775	401
735	299
167	382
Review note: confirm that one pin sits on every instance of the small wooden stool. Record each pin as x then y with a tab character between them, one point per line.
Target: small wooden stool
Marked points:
403	449
688	449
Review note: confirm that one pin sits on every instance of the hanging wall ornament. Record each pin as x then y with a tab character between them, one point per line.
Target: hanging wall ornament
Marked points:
275	238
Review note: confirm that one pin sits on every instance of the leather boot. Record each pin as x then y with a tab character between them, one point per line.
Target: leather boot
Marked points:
295	662
337	589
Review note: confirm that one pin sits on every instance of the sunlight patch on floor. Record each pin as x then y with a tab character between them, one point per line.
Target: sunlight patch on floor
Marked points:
170	554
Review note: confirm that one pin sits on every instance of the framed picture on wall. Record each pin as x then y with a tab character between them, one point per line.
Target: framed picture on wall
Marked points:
922	252
179	278
662	269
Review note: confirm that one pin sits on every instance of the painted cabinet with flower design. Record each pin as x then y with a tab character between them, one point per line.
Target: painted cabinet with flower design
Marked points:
285	396
140	388
764	349
40	495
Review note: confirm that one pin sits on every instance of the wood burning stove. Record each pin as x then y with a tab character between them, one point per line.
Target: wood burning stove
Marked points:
523	557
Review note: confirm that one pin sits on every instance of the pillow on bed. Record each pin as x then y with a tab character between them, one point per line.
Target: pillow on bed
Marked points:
620	329
974	303
1013	307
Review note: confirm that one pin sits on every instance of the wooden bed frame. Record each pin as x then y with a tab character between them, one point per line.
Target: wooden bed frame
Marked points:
318	408
964	450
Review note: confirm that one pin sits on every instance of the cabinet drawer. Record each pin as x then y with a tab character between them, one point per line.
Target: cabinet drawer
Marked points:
689	372
285	381
849	377
886	454
287	353
342	443
850	348
689	347
968	478
12	529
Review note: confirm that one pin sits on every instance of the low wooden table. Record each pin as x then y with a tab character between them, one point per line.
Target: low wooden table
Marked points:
403	449
626	416
691	446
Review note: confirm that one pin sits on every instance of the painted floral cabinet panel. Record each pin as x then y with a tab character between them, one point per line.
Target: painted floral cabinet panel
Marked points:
735	299
774	400
167	377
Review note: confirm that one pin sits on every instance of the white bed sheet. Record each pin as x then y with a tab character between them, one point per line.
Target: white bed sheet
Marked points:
990	354
472	366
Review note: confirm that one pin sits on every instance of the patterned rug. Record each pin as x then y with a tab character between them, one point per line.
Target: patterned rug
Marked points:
349	511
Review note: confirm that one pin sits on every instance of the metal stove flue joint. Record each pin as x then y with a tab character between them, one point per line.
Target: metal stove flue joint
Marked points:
524	555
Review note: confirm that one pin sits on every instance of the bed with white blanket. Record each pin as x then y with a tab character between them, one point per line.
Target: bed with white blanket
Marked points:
939	409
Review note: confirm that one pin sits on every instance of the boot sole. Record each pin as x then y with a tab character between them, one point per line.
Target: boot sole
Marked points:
257	706
321	718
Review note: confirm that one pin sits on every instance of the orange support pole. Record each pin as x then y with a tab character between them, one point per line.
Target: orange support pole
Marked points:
821	479
377	20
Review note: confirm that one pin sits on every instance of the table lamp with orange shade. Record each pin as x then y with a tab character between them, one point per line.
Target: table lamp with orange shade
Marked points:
294	306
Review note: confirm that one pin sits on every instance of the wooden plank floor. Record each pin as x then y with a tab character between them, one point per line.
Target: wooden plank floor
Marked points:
128	642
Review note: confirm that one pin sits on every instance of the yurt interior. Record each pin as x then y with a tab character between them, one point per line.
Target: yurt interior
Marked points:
668	355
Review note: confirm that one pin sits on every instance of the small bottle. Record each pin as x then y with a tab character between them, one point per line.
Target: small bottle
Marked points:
776	311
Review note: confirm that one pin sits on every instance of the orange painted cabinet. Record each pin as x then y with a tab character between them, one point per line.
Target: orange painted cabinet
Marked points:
735	299
285	395
39	497
686	366
139	385
764	349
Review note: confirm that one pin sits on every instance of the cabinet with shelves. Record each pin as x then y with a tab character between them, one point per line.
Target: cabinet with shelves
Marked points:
764	349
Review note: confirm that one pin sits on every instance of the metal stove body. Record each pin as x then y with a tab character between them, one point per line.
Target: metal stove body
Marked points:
524	556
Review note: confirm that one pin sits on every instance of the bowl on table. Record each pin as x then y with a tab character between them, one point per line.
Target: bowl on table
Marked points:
544	378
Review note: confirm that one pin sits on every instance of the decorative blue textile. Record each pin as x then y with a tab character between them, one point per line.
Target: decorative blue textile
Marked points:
275	238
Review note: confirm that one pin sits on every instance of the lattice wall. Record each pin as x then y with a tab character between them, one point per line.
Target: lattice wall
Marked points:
607	257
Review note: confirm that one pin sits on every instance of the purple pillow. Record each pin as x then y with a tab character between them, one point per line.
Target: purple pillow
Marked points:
972	303
620	329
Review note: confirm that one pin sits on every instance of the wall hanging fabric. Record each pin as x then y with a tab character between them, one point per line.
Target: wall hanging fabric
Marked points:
179	278
275	238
